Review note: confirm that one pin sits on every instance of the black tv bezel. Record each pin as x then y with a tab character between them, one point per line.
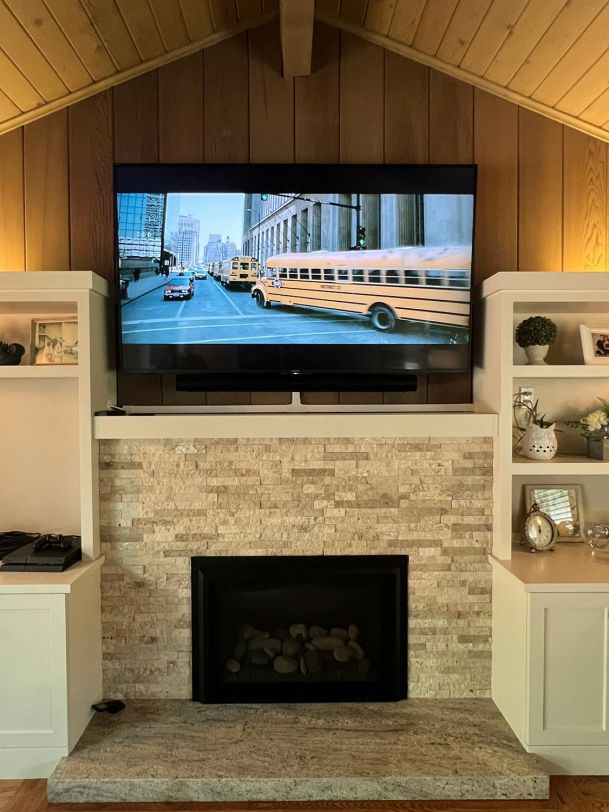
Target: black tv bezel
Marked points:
302	361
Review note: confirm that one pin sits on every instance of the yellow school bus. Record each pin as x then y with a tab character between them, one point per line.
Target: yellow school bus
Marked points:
424	284
236	271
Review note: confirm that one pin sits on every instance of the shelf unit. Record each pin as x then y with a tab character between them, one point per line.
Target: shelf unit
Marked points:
51	622
48	468
550	672
565	386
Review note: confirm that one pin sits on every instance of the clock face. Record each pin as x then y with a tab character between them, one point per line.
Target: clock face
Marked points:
539	531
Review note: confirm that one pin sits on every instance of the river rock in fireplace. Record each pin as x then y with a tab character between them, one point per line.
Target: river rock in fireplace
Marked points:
299	651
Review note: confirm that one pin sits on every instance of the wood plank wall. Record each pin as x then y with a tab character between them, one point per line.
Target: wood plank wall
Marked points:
542	195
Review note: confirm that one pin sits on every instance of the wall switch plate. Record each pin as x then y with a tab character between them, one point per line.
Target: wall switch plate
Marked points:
526	395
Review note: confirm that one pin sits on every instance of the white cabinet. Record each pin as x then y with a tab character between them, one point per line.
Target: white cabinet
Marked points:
551	656
50	623
568	668
50	665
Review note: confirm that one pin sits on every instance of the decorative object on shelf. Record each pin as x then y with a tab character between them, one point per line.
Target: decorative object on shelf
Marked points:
595	344
597	535
595	428
537	439
11	354
55	341
539	531
564	504
535	335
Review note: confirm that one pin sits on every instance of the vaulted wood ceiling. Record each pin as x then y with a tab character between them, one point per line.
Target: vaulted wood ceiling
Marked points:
551	56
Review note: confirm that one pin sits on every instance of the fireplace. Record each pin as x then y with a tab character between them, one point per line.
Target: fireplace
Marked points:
299	628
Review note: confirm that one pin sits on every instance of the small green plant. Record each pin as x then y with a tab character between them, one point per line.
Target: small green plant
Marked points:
536	330
530	414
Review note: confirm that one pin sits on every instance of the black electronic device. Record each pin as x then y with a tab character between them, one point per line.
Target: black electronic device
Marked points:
48	553
362	283
109	706
11	540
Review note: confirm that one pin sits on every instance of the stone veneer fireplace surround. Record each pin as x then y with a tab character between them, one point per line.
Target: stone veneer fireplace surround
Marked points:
163	501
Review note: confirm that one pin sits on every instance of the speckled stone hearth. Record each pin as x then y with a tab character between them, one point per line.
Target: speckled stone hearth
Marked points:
175	750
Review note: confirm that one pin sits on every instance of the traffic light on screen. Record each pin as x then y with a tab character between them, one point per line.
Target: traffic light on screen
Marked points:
361	237
264	196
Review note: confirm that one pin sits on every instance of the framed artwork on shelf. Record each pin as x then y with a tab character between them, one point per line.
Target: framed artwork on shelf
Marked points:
595	344
563	504
55	341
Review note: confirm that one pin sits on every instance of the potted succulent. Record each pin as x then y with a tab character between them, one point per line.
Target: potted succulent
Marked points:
535	335
11	354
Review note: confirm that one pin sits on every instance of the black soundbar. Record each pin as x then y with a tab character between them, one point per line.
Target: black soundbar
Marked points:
296	382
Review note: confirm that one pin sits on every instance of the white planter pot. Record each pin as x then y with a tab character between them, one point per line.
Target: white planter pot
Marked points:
536	353
538	443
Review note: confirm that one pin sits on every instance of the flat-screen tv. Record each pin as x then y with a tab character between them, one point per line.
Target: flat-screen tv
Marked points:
294	276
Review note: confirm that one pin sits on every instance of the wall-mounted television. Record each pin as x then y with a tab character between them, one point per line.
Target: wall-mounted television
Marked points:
294	276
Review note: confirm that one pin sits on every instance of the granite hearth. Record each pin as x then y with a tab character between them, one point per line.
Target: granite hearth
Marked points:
175	750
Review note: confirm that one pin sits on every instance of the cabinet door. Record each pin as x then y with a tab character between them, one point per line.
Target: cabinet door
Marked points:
568	668
32	671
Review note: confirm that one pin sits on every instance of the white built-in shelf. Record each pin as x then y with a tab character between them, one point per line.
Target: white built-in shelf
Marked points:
46	582
571	566
560	464
259	426
561	371
43	371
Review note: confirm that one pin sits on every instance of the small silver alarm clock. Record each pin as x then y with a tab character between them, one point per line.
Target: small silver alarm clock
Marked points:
539	530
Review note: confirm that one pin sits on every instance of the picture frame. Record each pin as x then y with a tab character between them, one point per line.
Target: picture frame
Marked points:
54	340
563	503
595	344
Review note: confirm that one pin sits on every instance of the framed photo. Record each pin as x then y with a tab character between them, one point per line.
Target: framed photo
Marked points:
55	340
595	344
563	503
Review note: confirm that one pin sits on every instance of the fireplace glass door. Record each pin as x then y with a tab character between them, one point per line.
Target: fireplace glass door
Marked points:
299	628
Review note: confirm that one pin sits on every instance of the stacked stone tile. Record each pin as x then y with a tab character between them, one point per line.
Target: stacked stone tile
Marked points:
163	501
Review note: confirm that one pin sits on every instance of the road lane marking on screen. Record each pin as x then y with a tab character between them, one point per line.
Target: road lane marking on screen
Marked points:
245	338
182	306
224	293
263	322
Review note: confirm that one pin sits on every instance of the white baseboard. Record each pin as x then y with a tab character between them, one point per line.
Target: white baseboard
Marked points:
573	759
29	762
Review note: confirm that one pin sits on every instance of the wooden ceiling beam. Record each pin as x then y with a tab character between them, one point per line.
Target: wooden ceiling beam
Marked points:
296	32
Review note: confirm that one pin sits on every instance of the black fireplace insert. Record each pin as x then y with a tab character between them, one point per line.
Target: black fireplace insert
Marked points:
299	628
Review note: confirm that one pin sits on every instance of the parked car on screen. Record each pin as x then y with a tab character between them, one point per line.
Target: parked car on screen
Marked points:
181	286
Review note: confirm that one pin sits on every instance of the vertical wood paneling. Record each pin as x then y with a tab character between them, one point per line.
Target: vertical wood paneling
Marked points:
91	202
496	153
47	221
271	100
585	203
181	112
451	120
136	125
12	215
540	193
361	101
451	140
226	101
406	110
316	102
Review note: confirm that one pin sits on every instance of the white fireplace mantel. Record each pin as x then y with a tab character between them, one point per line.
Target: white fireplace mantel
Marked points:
281	425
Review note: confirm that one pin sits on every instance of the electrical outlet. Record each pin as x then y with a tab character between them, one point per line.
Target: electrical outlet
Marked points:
526	395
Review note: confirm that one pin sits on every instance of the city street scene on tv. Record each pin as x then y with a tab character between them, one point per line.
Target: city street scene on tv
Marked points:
230	268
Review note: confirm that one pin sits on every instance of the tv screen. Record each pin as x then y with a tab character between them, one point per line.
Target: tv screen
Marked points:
259	270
